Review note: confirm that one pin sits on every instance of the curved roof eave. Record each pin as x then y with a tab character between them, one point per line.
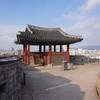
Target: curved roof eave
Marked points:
30	28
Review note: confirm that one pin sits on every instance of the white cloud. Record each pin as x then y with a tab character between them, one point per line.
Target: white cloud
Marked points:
8	35
10	29
89	28
85	24
90	4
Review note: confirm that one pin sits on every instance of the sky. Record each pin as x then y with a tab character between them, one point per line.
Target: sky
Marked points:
76	17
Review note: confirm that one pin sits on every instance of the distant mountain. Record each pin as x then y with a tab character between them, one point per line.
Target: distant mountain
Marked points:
91	47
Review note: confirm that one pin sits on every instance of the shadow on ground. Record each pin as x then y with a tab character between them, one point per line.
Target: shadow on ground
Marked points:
45	86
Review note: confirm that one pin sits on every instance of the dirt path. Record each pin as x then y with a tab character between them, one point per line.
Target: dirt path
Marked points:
78	84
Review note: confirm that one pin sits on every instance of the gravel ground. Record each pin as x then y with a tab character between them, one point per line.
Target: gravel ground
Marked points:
77	84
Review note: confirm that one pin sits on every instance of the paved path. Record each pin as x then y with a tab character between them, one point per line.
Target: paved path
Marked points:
78	84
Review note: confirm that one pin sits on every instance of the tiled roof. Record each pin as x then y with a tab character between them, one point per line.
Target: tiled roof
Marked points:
34	35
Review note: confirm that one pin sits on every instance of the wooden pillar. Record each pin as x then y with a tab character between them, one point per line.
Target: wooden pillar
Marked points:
50	51
46	58
44	55
60	48
49	55
28	54
44	49
54	48
40	48
25	53
68	54
49	48
40	51
33	59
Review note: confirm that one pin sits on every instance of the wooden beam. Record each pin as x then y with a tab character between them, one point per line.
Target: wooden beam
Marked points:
63	54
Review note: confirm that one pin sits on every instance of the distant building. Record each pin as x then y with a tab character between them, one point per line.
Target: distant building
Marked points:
95	54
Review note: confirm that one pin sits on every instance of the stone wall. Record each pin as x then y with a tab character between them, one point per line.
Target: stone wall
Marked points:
80	60
10	78
58	60
76	60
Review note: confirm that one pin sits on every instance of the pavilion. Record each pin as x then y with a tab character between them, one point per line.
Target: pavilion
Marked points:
44	37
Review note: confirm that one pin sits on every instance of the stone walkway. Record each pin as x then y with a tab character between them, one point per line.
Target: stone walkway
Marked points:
77	84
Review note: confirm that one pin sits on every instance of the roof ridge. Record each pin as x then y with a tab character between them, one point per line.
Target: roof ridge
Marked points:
42	28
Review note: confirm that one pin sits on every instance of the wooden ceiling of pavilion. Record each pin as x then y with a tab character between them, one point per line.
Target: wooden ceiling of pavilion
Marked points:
34	35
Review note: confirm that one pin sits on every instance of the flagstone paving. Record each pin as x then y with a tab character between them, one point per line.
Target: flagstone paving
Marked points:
77	84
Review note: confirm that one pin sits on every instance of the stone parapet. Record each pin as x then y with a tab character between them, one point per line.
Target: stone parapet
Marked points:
10	78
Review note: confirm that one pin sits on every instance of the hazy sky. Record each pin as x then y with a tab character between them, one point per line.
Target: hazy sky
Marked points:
77	17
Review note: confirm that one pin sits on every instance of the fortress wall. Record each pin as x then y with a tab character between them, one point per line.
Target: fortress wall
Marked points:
10	78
